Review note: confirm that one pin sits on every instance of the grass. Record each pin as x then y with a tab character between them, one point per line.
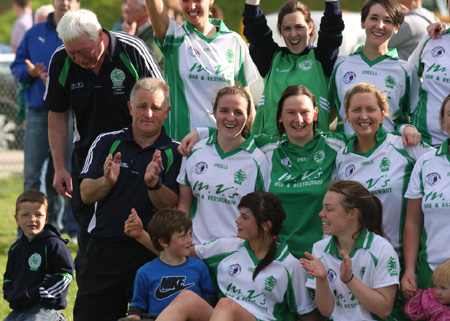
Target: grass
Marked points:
10	188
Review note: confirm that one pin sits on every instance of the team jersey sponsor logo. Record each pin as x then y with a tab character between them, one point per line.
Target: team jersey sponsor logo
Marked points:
125	165
390	81
270	283
367	163
229	56
234	270
438	52
222	166
349	77
171	285
41	39
392	266
433	178
200	168
286	162
282	70
319	156
332	275
239	176
385	164
77	85
117	77
306	65
34	261
194	52
349	170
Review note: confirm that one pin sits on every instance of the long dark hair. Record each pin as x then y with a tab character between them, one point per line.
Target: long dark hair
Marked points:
355	195
265	207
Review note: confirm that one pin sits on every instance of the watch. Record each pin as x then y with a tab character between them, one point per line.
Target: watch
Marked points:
157	186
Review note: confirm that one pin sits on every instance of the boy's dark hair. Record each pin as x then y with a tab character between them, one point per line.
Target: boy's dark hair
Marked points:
165	223
32	196
22	3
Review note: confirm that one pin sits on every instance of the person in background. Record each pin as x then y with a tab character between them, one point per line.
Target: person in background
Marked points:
123	9
138	23
174	10
22	23
413	29
42	13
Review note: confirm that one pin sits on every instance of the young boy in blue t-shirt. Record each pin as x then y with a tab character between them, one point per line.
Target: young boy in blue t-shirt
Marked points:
158	282
40	267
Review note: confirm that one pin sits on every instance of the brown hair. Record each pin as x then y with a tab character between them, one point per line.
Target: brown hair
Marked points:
356	196
265	207
289	92
392	7
32	196
441	113
165	223
294	6
238	91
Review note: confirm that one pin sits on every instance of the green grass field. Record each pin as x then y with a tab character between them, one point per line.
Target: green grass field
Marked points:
10	188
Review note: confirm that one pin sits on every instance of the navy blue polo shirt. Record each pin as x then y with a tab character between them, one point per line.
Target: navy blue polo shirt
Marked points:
130	190
99	101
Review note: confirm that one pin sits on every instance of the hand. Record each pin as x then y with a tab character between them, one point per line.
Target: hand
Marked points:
410	136
346	266
188	142
35	70
62	182
314	266
111	168
133	225
134	317
129	27
44	76
408	284
153	170
435	30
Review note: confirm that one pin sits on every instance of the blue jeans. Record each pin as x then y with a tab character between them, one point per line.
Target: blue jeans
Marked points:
36	313
38	164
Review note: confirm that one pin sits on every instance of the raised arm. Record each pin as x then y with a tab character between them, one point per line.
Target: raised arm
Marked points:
159	17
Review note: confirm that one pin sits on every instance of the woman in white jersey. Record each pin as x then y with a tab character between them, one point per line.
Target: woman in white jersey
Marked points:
375	64
355	272
257	276
432	63
201	56
222	169
299	63
427	220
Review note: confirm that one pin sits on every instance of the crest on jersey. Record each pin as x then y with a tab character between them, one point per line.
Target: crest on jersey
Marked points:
270	283
392	266
229	55
349	77
239	176
385	164
390	81
234	270
201	168
194	52
319	156
306	65
433	179
332	275
117	77
349	170
438	52
34	261
286	162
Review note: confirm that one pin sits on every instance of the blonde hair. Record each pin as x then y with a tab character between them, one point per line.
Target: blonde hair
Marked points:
441	275
442	112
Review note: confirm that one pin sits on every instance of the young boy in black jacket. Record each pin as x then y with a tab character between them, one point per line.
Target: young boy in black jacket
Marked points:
39	268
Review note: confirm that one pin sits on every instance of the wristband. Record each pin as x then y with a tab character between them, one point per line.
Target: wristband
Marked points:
351	278
157	186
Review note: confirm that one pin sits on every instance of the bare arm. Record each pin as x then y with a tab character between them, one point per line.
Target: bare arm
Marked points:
185	200
411	243
133	228
160	19
93	190
379	301
58	131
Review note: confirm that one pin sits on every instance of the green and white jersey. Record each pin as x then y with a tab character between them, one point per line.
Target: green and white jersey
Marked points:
385	171
218	181
196	67
299	176
391	75
430	181
278	291
433	65
374	263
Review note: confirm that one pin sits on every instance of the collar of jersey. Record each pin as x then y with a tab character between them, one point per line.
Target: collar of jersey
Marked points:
309	146
216	22
280	255
380	138
390	54
248	145
443	150
363	242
